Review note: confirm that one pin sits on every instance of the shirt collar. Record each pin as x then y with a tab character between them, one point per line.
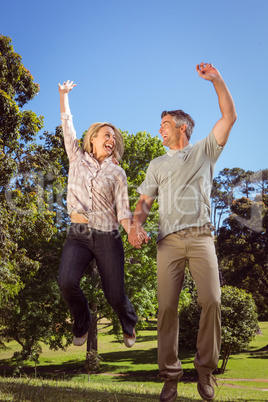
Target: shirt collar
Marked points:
110	158
183	151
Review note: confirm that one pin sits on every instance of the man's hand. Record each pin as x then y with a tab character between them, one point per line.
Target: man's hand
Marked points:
137	236
66	87
143	235
207	71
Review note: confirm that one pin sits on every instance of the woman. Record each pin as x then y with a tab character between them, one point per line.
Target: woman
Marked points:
96	186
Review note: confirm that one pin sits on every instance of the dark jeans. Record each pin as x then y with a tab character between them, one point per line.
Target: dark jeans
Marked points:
82	245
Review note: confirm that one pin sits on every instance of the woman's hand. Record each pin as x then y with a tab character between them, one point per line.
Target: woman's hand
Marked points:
66	87
137	236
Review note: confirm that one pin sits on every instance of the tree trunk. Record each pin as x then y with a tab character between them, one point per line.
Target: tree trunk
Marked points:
92	339
226	355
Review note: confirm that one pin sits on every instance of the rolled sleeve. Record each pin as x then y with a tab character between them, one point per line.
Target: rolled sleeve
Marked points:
122	199
69	133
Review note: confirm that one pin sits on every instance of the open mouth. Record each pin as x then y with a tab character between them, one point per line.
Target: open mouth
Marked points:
109	147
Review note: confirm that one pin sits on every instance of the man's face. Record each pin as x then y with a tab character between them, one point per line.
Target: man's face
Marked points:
169	132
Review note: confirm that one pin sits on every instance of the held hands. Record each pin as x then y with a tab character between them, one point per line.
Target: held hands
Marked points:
207	71
66	87
137	236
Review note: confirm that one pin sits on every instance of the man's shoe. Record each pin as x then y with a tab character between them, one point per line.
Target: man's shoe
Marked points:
80	341
205	386
129	340
169	391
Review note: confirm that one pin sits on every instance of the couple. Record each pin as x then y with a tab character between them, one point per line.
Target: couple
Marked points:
181	180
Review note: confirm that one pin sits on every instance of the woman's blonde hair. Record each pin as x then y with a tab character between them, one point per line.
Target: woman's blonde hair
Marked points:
93	132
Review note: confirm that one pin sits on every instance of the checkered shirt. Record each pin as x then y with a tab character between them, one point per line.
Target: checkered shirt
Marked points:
98	192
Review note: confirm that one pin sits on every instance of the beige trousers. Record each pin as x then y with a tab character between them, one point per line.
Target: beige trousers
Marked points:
196	246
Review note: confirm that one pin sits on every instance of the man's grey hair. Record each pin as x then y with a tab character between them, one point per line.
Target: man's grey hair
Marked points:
180	117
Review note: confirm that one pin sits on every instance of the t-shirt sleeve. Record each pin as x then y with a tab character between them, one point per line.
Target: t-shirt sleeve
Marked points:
212	148
149	186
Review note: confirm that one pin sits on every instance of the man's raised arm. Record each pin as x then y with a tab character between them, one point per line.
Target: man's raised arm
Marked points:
223	126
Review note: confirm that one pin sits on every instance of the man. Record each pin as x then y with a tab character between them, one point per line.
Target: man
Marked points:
182	180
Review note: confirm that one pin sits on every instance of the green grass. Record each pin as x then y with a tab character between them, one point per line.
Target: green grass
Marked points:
129	374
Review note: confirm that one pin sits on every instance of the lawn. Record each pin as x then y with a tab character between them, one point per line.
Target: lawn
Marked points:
129	374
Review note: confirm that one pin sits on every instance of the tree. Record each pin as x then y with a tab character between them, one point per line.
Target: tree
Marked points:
242	248
242	238
17	128
219	204
231	184
10	283
261	181
239	322
30	304
223	192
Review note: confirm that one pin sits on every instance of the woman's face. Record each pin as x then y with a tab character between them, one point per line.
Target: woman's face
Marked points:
104	144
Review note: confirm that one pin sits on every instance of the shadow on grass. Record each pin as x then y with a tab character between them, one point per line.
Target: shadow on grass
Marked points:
146	376
253	354
261	353
133	356
128	365
260	356
141	356
18	391
54	371
47	393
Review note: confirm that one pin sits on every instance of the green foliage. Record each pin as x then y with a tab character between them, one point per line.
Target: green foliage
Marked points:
17	127
243	249
240	197
37	313
234	183
140	149
239	318
239	322
15	79
31	308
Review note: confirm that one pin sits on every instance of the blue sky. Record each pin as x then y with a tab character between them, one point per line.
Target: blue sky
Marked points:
132	60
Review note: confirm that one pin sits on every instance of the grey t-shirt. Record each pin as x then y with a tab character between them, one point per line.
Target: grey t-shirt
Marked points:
182	181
